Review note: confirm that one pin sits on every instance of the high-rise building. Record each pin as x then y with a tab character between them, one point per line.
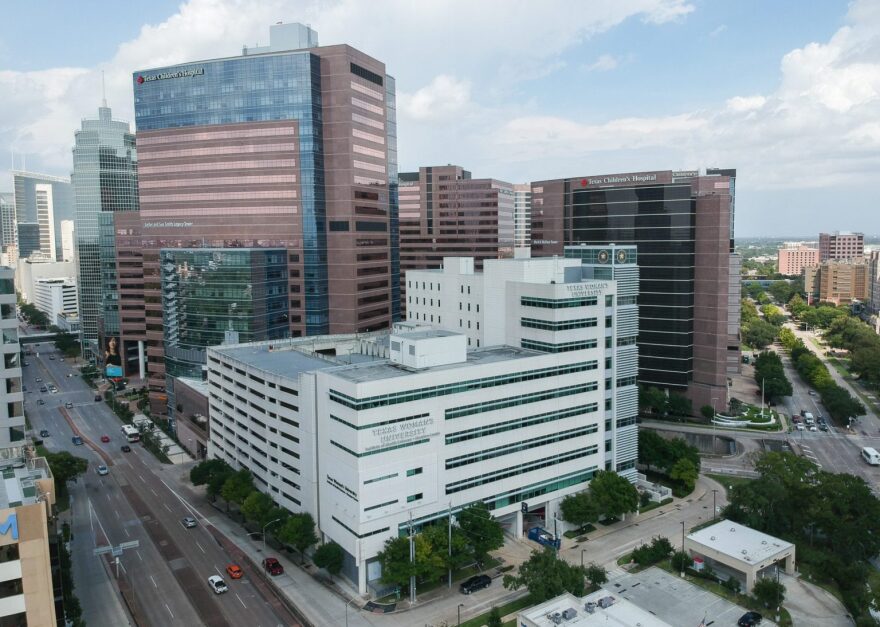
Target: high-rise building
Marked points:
522	215
42	202
373	434
67	242
682	225
793	257
841	245
585	303
446	212
8	230
288	146
874	280
839	282
105	181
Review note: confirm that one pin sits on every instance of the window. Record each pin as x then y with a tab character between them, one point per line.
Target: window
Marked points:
414	497
414	471
609	300
608	322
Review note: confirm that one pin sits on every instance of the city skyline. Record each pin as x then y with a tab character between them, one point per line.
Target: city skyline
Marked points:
533	99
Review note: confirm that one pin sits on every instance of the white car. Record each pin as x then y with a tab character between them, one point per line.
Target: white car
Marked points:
813	428
102	470
799	426
217	584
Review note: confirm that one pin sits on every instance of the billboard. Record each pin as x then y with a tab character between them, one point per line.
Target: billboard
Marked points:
112	359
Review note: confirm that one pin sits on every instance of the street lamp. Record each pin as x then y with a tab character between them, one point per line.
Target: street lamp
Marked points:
682	548
714	509
714	414
271	522
460	605
346	610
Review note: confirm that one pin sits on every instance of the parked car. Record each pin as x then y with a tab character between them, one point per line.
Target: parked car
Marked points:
105	438
234	571
217	584
477	582
77	440
41	402
102	470
273	566
44	433
97	398
126	448
188	522
38	380
749	619
51	358
43	388
68	405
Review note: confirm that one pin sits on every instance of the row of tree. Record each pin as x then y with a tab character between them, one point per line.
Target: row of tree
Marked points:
609	495
673	457
834	519
770	376
863	344
760	331
32	315
840	404
474	533
236	487
657	403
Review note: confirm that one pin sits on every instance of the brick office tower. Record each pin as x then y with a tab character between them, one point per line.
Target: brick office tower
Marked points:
840	246
289	147
446	213
682	224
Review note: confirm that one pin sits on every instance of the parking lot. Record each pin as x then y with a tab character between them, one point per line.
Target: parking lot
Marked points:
677	601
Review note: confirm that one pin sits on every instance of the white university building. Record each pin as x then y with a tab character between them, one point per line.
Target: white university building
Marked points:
372	433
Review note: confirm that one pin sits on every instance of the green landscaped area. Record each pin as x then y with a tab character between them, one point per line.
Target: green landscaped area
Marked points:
508	608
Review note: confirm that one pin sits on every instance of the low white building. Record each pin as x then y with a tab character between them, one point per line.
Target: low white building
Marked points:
599	609
374	433
28	271
56	297
585	301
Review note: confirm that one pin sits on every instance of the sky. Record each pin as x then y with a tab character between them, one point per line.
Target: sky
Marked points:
785	91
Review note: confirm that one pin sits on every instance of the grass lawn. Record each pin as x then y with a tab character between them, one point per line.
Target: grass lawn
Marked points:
729	480
508	608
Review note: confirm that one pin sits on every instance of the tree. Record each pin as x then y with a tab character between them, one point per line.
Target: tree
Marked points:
237	487
257	507
708	412
579	509
681	561
329	557
396	566
652	400
494	618
768	592
546	577
685	472
678	405
759	334
201	473
65	466
596	576
462	553
482	531
299	532
773	315
613	494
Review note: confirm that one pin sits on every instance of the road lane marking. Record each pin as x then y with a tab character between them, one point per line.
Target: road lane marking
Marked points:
154	582
218	570
169	611
127	535
200	546
116	511
154	492
139	555
165	505
240	601
108	496
192	510
141	478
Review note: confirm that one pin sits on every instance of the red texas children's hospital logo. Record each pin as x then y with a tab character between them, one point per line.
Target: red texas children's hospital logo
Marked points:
140	80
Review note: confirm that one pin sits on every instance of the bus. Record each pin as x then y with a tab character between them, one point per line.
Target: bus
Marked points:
131	433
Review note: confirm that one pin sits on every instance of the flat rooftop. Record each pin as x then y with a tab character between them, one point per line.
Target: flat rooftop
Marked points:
620	613
740	542
284	360
18	483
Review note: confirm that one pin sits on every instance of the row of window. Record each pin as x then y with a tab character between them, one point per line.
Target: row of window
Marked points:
563	347
507	449
519	423
379	450
558	325
522	399
382	423
563	303
456	388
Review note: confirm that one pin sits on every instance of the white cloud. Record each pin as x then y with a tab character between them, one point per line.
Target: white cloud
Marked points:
442	98
604	63
717	30
746	103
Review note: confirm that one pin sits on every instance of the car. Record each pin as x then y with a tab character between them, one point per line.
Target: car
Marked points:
189	522
44	433
51	358
795	419
126	448
273	566
217	584
813	428
27	363
811	392
68	405
477	582
749	619
24	388
102	470
43	388
823	426
799	426
234	571
38	380
97	398
41	402
77	440
105	438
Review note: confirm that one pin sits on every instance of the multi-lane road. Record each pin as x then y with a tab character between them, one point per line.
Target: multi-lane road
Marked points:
167	573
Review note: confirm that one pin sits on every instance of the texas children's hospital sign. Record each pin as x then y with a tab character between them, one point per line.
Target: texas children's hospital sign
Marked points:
161	76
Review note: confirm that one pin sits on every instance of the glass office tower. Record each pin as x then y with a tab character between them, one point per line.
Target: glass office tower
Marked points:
104	181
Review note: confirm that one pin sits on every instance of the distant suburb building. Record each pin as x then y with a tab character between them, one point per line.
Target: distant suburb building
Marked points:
793	257
370	444
838	282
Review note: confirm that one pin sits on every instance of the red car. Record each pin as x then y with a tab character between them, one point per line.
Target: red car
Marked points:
234	571
273	566
105	438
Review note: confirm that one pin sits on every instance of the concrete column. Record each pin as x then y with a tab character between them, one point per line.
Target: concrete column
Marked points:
362	577
141	361
789	565
518	524
750	580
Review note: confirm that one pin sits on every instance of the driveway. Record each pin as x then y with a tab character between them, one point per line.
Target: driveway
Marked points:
811	605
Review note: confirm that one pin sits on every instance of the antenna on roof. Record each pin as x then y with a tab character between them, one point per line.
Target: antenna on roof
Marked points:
103	91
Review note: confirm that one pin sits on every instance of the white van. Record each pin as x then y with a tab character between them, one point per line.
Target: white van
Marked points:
871	456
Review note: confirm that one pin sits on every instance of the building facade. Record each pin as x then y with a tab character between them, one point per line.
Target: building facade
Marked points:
522	215
792	258
333	428
839	282
682	224
68	245
283	147
874	278
542	304
446	212
8	223
105	181
42	202
56	297
841	245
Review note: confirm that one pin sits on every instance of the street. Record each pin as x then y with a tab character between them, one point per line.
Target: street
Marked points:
168	572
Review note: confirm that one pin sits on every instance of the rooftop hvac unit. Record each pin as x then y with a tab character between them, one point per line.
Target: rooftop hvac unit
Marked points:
589	607
606	602
555	618
569	613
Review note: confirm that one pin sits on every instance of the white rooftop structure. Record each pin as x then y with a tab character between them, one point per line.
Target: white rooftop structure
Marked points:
740	542
608	610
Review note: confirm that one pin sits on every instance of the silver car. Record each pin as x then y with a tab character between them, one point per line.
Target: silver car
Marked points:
102	470
189	522
217	584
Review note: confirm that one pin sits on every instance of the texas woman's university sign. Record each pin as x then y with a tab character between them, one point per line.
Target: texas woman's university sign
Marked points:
8	527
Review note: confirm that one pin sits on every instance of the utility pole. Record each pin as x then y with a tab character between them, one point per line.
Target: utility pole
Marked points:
412	560
763	382
682	548
449	544
714	509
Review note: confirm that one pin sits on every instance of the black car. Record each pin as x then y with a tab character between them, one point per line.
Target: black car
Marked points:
749	619
97	398
477	582
126	448
41	402
77	440
44	433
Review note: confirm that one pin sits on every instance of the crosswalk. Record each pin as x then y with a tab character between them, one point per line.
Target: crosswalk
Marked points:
809	454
